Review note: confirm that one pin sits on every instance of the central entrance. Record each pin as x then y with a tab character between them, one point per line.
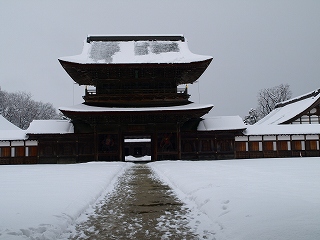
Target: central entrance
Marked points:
137	148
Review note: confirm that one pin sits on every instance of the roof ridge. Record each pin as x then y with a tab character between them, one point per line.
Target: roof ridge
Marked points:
297	99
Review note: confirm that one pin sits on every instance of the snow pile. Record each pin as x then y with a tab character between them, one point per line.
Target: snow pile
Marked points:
40	201
252	199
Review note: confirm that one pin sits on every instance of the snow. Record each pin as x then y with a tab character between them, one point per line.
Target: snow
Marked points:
123	52
87	108
252	199
9	131
288	129
40	201
282	114
50	126
245	199
6	125
145	158
221	123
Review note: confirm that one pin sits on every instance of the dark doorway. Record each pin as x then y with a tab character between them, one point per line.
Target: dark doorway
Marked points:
137	148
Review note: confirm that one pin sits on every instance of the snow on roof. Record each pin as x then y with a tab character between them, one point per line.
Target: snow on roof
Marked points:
86	108
126	49
12	135
285	129
50	126
6	125
9	131
221	123
290	108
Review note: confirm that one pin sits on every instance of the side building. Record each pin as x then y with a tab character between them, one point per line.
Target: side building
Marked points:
15	147
292	129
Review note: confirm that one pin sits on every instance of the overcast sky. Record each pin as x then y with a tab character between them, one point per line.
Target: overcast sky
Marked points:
255	44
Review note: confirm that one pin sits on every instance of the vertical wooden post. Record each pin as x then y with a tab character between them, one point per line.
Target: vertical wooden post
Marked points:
120	141
95	135
154	144
178	141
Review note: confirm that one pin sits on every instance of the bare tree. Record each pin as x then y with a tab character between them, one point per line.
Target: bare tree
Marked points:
269	97
20	109
252	118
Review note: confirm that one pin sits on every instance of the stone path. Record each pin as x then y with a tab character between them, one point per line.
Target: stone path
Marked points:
142	207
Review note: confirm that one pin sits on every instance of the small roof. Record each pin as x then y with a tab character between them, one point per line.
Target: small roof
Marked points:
126	49
9	131
50	127
221	123
6	125
287	129
287	110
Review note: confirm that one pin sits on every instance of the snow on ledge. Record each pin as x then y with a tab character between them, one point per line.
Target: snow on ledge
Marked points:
85	108
50	126
221	123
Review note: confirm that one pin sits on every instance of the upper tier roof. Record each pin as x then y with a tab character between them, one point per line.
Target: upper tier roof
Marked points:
126	49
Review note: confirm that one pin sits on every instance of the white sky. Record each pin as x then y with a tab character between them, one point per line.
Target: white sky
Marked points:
255	44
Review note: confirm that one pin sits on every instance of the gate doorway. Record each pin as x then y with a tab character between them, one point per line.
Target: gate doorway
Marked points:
137	148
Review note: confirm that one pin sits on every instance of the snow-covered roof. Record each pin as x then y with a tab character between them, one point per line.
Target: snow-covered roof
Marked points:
112	49
6	125
50	127
9	131
221	123
287	110
12	135
86	108
285	129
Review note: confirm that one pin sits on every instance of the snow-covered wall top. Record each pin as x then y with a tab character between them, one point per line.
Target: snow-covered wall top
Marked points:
221	123
50	127
288	129
289	109
126	49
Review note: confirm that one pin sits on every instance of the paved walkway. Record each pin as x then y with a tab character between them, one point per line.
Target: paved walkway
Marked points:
142	207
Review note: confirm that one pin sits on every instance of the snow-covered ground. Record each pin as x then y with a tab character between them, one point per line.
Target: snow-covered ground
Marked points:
246	199
252	199
40	201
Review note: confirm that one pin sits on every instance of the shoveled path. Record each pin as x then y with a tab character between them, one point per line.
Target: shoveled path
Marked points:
142	207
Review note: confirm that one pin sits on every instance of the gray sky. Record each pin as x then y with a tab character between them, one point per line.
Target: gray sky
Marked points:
255	44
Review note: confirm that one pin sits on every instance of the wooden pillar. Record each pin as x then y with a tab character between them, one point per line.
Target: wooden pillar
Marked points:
178	141
154	144
121	145
95	136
